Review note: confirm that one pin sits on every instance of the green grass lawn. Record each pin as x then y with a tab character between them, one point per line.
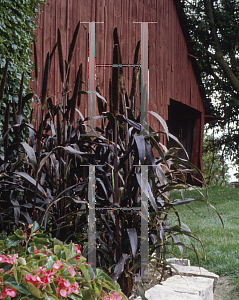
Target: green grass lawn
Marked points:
222	256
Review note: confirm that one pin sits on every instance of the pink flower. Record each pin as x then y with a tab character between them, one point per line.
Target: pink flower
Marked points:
4	294
78	251
35	280
46	278
35	250
72	271
63	283
58	265
75	287
64	292
114	296
9	260
65	288
8	292
48	251
40	270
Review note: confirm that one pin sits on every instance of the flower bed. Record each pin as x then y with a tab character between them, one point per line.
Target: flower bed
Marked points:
35	266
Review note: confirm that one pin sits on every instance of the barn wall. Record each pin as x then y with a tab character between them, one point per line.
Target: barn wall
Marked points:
170	70
171	75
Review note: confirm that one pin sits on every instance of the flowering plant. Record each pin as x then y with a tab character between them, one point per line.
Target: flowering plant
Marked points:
34	266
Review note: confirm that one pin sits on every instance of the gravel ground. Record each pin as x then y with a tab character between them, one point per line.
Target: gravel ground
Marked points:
224	290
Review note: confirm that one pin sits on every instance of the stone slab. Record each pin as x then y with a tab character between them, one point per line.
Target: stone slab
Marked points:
195	271
195	286
176	261
182	288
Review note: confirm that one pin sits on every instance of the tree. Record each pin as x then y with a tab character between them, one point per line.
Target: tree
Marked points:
214	26
17	24
214	164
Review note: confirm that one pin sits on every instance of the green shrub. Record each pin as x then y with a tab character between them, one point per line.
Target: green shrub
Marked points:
18	20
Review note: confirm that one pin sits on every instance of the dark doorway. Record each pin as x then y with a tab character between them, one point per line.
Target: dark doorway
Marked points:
181	123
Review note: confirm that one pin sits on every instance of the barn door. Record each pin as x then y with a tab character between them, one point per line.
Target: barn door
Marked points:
184	122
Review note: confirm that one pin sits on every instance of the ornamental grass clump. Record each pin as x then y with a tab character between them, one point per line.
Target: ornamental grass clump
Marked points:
35	266
46	179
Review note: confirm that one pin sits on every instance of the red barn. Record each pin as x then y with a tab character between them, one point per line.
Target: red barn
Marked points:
175	88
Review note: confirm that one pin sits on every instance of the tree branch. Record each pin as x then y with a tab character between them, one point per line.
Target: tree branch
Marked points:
218	56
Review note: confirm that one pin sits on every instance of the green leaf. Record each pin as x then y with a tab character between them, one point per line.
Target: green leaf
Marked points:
57	248
10	282
48	288
50	296
35	227
61	254
50	262
34	290
31	250
102	275
75	297
41	241
68	253
12	241
20	234
108	285
86	295
22	261
53	287
42	262
91	272
17	275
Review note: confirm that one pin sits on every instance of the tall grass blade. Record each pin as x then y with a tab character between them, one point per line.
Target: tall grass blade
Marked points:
80	87
14	112
58	120
121	74
73	43
3	81
53	52
31	155
110	95
99	101
119	268
60	54
135	73
115	98
75	94
5	125
45	81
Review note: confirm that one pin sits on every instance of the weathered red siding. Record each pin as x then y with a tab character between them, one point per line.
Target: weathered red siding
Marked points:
171	75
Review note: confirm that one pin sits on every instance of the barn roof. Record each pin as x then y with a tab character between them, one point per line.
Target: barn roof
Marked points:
209	110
